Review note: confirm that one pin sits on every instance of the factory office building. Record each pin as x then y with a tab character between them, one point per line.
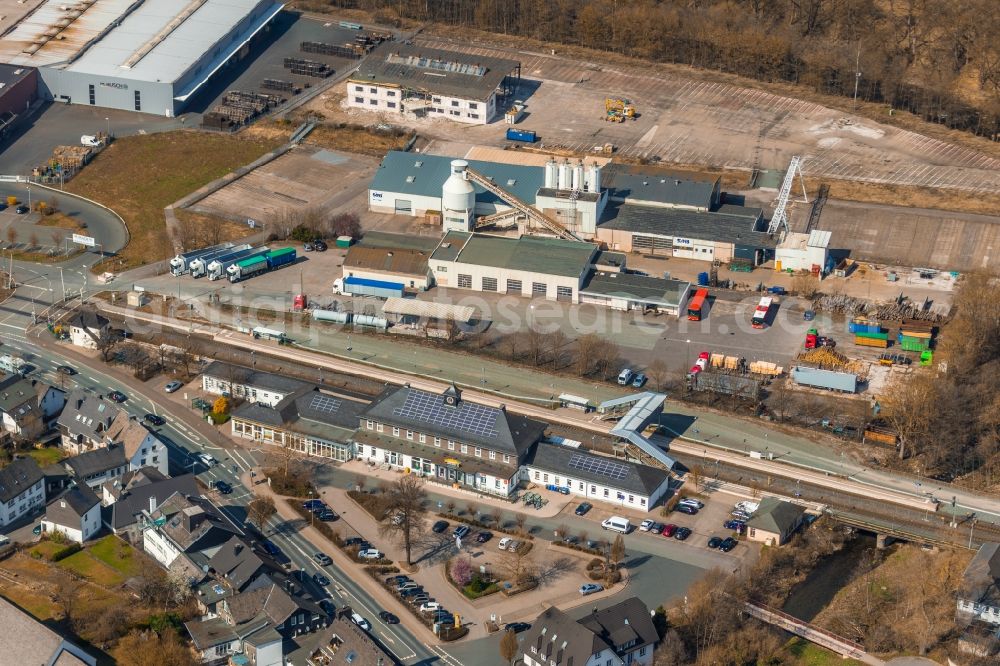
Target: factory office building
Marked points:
447	439
399	258
431	83
150	56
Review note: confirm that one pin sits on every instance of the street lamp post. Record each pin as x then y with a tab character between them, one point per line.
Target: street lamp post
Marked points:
108	133
688	353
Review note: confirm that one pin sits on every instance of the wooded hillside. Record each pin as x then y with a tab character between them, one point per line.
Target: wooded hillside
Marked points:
939	59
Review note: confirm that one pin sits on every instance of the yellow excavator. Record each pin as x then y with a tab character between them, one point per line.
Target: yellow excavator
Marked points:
617	109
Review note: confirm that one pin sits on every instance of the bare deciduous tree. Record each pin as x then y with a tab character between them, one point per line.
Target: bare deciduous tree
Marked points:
405	509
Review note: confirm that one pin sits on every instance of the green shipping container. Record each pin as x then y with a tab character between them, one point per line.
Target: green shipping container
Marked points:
871	336
344	241
251	261
917	345
281	252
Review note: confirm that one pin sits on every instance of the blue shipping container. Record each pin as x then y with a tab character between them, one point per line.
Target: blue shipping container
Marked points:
528	136
703	279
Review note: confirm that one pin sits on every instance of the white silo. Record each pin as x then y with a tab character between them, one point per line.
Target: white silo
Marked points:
564	175
458	199
594	178
551	178
578	176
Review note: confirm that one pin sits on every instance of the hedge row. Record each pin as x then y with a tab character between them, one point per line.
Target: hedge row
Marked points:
63	553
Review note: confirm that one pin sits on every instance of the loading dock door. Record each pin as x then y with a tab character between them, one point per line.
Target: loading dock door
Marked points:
404	206
652	244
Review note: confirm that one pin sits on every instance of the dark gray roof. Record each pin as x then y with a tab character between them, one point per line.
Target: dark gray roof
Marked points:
577	463
86	414
89	319
413	68
492	427
638	183
536	254
17	477
659	291
239	564
15	391
357	647
240	374
194	521
673	222
981	580
774	515
136	498
309	411
625	621
385	239
68	508
557	638
97	461
209	633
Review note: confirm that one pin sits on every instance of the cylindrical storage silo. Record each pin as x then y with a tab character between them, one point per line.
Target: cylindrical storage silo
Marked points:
594	179
458	195
551	178
332	316
564	175
578	176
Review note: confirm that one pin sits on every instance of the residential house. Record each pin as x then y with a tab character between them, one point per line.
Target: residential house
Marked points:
22	490
127	498
448	439
76	514
597	478
979	592
85	420
96	467
247	383
620	635
775	521
25	640
27	406
186	525
257	623
350	645
306	421
127	445
89	329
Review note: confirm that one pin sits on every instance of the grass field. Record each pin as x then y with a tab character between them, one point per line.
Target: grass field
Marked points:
810	654
47	456
92	569
138	176
46	548
61	220
116	554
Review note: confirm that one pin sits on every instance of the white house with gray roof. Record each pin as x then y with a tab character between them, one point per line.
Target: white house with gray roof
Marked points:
22	490
28	406
448	439
247	383
597	478
76	514
85	420
88	329
401	78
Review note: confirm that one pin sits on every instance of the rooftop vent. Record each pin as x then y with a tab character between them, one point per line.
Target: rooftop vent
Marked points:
418	164
410	179
510	182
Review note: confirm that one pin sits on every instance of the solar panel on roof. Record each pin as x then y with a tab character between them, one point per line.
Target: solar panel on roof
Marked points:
324	403
600	466
466	416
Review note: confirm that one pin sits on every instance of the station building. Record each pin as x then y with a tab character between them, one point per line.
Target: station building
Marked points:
400	78
150	56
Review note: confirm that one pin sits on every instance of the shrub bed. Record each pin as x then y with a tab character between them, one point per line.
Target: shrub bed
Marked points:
373	503
579	547
63	553
476	588
324	528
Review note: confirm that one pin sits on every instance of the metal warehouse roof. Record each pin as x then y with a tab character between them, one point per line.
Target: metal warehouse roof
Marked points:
389	240
673	222
58	30
161	39
398	261
628	183
434	71
424	175
429	309
550	256
657	291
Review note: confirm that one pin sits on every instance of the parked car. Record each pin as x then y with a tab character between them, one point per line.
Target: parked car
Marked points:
504	543
583	508
625	376
571	539
327	515
172	387
319	508
388	617
206	460
411	591
808	315
361	622
514	546
21	210
715	542
370	554
690	501
742	516
686	508
639	380
397	579
440	526
669	529
824	341
322	559
462	531
728	544
65	370
223	487
353	541
319	246
270	548
154	420
483	537
656	528
645	525
117	396
307	247
682	533
418	599
313	504
327	607
321	580
406	585
737	525
590	588
516	627
430	606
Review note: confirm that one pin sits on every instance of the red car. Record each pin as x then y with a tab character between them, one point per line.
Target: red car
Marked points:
668	530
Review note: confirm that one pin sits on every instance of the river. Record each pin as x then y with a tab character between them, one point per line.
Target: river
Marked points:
813	594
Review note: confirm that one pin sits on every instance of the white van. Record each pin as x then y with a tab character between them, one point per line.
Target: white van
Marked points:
617	524
625	376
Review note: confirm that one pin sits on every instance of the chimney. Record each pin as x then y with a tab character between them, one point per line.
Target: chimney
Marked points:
237	548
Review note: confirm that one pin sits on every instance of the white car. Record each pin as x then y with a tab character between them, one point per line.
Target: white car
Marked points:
692	502
370	554
645	525
747	507
430	606
361	622
504	542
206	459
